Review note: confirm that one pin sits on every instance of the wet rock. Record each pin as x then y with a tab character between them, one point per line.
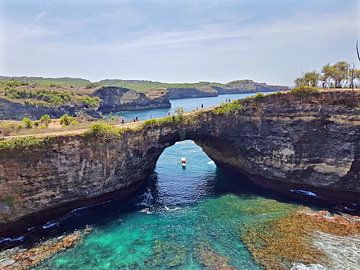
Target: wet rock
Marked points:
22	259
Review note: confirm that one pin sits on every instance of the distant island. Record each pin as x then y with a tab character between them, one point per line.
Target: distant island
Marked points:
36	96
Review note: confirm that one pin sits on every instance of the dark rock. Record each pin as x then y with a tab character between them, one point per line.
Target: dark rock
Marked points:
191	92
17	111
115	99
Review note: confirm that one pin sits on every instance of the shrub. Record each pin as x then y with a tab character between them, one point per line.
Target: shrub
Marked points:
150	122
179	114
103	130
230	107
91	101
23	143
27	122
259	96
45	119
66	120
304	91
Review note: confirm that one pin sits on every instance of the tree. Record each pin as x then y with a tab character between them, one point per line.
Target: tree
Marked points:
308	79
27	122
337	73
45	119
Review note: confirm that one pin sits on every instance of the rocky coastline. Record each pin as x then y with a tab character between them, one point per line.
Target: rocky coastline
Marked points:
306	144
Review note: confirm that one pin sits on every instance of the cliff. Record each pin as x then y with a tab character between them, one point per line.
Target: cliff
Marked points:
247	86
16	111
115	99
291	143
191	92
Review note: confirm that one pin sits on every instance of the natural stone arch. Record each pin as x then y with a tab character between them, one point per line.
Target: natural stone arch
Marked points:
281	142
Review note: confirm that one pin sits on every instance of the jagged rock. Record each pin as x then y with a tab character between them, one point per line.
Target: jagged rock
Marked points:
115	99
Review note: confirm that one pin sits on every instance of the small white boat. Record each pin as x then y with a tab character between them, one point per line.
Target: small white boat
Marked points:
183	162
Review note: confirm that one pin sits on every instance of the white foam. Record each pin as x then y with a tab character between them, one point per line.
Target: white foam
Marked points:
343	252
171	209
301	266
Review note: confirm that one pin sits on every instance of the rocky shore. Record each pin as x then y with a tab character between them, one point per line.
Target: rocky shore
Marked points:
20	258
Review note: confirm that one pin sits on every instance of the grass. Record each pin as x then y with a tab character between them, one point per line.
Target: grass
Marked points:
104	130
47	97
23	144
304	91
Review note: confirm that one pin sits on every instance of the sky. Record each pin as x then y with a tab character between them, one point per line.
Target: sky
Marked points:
271	41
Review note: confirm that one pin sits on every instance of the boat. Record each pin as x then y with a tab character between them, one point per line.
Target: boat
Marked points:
183	162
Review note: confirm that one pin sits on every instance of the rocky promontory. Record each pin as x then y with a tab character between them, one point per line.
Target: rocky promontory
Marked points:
299	144
114	99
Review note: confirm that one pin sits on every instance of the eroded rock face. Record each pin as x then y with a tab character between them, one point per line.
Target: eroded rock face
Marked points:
115	99
282	142
17	111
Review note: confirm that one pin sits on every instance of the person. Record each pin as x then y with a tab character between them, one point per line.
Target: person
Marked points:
202	106
123	121
136	118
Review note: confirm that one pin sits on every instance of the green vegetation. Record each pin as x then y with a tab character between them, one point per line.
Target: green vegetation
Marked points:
177	118
45	119
338	75
46	97
104	130
304	91
22	143
67	120
50	95
9	200
229	107
93	102
259	96
146	86
27	122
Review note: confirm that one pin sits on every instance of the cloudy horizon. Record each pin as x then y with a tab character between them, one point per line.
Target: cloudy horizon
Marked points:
176	41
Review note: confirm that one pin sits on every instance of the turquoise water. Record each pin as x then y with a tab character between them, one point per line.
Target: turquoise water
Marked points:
188	104
179	221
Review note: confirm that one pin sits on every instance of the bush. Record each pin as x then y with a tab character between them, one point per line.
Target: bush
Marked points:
227	108
103	130
91	101
150	122
27	122
23	143
304	91
45	119
66	120
259	96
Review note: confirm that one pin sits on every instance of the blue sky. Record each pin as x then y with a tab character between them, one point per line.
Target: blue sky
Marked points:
176	41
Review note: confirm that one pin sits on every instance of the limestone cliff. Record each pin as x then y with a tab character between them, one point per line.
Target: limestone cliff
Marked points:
17	111
285	142
191	92
115	99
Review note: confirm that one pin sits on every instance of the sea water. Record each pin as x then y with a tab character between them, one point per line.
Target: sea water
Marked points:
182	218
